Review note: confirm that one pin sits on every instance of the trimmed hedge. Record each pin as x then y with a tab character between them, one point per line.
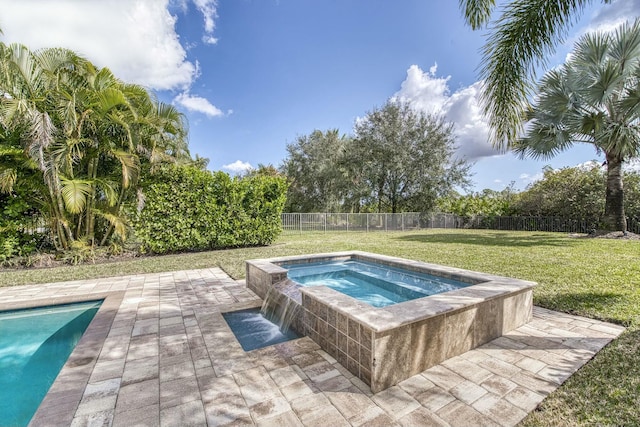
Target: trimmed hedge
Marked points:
188	209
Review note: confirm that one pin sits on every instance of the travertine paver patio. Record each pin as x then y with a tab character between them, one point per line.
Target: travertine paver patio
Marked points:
160	353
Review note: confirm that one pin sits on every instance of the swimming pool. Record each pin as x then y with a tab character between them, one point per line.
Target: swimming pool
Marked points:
376	285
34	345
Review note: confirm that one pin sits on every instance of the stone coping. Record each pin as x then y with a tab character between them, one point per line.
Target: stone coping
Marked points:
483	287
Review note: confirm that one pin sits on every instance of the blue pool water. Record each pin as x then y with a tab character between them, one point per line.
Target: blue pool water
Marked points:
34	345
376	284
254	331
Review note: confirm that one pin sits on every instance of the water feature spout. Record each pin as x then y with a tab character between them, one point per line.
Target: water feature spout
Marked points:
282	304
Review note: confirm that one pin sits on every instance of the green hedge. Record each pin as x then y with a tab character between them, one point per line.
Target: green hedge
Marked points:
188	209
19	236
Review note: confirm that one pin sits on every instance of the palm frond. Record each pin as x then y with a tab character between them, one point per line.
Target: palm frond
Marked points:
40	135
118	222
625	48
130	166
109	190
607	81
543	141
26	77
6	151
591	50
13	112
592	124
103	79
8	178
622	139
630	101
524	34
477	12
53	60
110	98
74	194
67	110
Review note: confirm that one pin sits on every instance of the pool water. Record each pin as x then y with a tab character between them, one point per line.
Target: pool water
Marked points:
254	331
377	285
34	345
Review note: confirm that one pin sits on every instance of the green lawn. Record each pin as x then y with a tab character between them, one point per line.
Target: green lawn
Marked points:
591	277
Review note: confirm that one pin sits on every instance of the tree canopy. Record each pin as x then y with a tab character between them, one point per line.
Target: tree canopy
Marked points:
571	193
568	192
316	169
405	158
398	159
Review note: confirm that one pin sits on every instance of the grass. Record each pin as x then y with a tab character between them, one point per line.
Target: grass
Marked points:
596	278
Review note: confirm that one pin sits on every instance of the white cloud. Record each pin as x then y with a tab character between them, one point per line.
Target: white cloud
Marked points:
610	16
197	104
238	167
528	179
208	8
429	93
136	39
607	18
424	91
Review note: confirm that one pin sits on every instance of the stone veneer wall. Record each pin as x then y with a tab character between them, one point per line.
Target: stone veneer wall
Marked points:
262	275
383	358
345	339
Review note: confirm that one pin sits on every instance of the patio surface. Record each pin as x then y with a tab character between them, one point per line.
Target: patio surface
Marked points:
160	353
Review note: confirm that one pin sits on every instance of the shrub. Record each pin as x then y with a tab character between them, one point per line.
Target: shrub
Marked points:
19	236
188	209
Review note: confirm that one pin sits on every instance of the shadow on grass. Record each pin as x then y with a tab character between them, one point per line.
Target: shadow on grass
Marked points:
490	238
595	305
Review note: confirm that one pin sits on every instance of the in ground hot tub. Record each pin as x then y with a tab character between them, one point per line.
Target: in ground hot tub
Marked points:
385	318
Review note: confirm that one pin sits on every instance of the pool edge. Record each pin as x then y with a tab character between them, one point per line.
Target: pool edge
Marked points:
59	405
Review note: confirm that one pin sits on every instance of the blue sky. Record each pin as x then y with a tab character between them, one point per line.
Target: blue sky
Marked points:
252	75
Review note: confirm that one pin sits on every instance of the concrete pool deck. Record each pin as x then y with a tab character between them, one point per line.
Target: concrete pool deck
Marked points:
159	353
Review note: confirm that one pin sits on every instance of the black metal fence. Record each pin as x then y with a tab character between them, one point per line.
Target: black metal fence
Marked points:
539	223
368	222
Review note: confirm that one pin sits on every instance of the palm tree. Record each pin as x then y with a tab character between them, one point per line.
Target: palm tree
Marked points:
27	81
593	98
519	40
87	133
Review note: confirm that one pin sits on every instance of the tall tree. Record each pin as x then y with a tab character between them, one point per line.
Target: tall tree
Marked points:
315	168
593	98
406	158
519	40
